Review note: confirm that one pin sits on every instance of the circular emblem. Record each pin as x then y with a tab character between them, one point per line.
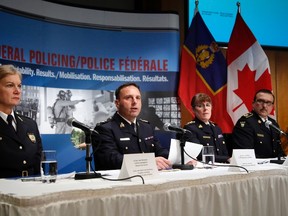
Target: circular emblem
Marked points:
205	55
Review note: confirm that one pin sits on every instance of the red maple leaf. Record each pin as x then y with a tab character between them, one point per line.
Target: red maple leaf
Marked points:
247	86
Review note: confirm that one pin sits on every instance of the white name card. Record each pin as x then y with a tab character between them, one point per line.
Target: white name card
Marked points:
243	157
143	164
285	163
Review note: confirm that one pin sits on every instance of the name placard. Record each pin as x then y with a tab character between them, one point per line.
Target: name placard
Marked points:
143	164
285	163
243	157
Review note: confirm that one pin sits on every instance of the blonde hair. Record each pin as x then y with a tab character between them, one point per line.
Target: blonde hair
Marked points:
6	70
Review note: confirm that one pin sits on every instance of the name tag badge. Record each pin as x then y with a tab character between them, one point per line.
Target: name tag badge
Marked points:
125	139
260	135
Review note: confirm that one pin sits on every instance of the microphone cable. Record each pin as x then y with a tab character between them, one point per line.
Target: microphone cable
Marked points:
101	175
218	165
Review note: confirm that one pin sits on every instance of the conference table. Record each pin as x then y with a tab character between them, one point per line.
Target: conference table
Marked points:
218	191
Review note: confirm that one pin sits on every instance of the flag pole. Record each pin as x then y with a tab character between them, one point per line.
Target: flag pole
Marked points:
196	6
238	5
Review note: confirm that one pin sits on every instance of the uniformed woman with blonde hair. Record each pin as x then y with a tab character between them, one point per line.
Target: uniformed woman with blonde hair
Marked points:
20	141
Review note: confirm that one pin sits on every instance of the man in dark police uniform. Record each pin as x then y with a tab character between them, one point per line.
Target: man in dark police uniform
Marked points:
250	131
124	133
20	141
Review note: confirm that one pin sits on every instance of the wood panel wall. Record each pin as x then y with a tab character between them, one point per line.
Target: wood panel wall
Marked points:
279	71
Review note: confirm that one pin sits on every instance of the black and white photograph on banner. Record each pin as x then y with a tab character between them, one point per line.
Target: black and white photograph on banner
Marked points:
52	107
30	104
159	108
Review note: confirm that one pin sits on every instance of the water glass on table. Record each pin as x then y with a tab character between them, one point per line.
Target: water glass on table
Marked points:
48	166
208	156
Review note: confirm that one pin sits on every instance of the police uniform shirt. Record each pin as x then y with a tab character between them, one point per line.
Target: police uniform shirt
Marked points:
250	132
117	137
20	151
207	134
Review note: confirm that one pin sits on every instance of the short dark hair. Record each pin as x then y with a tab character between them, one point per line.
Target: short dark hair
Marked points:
117	92
267	91
200	98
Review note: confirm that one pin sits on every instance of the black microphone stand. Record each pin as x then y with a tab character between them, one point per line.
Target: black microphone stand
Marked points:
278	161
88	158
182	166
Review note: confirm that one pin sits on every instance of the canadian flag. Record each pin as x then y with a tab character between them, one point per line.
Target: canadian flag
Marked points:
248	70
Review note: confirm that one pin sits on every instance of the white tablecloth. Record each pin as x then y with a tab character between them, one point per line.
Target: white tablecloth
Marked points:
196	192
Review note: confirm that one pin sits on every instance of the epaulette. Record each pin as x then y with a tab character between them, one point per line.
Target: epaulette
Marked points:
145	121
191	122
104	122
248	115
21	117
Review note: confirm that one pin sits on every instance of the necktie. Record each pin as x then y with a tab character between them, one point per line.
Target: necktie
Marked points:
133	126
10	120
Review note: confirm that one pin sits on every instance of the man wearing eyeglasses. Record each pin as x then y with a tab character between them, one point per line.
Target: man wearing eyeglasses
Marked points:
250	131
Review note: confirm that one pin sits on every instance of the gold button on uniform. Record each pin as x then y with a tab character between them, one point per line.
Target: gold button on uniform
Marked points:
20	147
24	162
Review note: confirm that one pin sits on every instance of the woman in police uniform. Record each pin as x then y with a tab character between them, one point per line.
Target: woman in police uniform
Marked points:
203	131
20	141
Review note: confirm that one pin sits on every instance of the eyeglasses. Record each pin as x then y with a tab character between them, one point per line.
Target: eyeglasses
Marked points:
208	105
262	102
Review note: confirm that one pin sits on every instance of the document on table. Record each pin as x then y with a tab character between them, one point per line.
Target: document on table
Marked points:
193	149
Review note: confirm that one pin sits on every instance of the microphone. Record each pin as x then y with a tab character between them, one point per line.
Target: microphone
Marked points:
168	127
73	122
268	123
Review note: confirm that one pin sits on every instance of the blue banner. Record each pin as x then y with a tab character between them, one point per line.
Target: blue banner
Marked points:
74	70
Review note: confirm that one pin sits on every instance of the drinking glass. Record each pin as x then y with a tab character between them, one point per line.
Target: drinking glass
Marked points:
48	166
208	156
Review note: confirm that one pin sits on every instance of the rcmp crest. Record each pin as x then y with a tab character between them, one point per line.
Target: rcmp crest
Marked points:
205	54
